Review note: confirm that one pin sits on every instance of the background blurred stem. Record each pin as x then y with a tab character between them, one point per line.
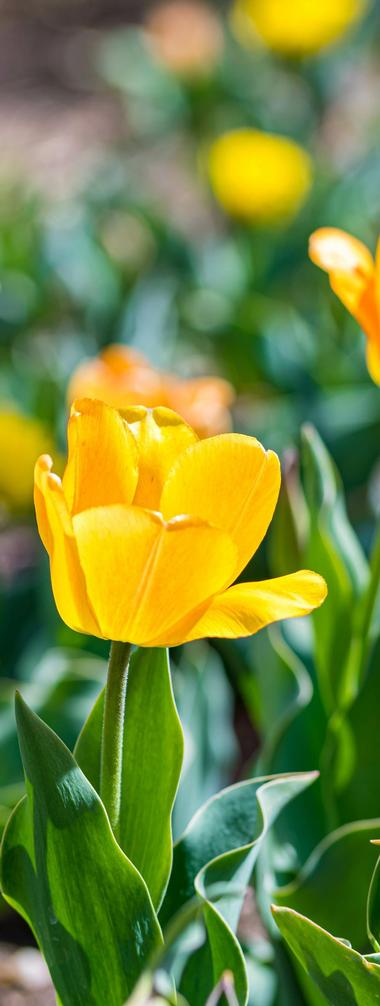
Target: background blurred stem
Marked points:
360	643
113	731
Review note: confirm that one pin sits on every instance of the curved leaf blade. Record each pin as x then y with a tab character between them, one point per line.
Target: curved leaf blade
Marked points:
152	761
343	976
214	860
64	872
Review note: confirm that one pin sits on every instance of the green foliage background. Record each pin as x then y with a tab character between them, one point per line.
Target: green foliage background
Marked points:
118	257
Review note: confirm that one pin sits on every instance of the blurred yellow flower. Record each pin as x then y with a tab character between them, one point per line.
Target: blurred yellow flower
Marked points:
297	27
22	438
259	177
186	36
150	526
120	377
355	278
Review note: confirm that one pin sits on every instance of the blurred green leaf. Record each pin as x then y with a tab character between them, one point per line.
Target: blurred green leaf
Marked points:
344	858
334	551
373	907
206	705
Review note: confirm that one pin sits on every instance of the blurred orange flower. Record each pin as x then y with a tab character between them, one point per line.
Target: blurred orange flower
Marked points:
355	278
186	36
121	377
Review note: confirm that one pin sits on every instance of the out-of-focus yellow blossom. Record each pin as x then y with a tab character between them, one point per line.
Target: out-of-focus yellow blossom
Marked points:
186	36
150	526
22	438
259	177
355	278
120	377
295	27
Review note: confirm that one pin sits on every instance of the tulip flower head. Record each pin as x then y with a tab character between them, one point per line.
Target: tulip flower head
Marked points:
297	27
120	377
185	36
259	178
150	526
355	278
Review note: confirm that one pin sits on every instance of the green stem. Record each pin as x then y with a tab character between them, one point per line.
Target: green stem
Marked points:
113	732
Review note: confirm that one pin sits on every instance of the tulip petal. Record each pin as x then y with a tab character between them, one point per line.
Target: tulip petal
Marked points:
351	270
247	607
161	435
229	481
42	467
144	575
337	251
55	527
373	360
102	465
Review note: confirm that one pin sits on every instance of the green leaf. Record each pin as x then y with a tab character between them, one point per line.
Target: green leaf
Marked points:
214	860
284	706
345	856
63	871
152	760
290	520
373	908
221	952
334	551
205	702
343	976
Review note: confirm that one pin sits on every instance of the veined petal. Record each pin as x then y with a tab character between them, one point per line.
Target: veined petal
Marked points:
55	527
351	270
229	481
161	435
247	607
102	464
144	575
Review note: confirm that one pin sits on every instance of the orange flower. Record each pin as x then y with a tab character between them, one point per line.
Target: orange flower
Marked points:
355	278
149	528
186	36
121	377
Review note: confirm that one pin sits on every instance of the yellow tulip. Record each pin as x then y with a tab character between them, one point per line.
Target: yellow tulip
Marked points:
259	177
297	27
22	438
355	278
149	527
121	377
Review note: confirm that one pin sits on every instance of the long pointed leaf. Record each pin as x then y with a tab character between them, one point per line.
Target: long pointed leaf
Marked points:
152	760
64	872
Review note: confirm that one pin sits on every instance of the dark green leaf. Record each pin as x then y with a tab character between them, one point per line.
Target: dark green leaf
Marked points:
64	872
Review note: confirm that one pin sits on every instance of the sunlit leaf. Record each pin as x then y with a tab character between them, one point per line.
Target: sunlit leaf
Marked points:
64	872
